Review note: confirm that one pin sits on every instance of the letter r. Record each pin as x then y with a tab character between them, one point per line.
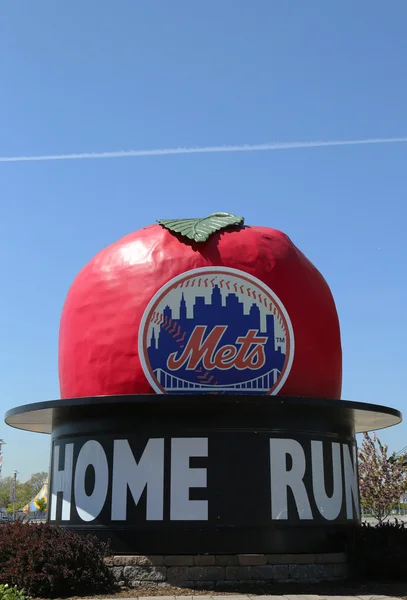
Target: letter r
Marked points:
281	479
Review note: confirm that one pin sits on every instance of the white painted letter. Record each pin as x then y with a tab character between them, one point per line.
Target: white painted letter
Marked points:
89	507
281	479
62	482
183	478
329	507
127	473
351	482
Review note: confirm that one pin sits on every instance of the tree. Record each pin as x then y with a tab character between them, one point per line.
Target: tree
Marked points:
36	482
41	505
5	488
23	496
25	492
382	478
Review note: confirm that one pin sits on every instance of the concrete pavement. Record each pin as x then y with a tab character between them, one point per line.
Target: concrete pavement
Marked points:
265	597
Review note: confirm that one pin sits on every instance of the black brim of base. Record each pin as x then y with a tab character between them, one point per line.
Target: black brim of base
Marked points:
41	417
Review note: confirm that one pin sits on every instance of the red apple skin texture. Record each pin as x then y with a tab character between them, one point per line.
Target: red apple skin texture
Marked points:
98	342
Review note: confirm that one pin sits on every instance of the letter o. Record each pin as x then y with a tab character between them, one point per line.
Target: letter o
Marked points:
89	507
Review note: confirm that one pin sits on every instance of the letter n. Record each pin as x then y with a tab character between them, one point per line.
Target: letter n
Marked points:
351	482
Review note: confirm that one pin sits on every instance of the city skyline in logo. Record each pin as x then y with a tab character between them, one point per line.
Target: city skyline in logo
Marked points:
216	333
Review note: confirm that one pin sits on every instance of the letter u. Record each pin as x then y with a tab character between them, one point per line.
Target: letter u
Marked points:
328	506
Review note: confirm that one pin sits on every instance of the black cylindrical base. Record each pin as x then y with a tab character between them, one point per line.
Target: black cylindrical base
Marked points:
215	474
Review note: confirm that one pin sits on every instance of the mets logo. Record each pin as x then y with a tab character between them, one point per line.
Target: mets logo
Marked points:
216	330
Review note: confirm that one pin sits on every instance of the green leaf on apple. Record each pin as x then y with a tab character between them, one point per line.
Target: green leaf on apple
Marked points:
199	230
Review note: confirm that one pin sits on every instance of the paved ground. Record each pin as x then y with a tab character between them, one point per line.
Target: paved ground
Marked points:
350	590
256	597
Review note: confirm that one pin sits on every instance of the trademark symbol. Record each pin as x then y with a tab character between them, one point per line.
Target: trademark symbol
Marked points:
280	340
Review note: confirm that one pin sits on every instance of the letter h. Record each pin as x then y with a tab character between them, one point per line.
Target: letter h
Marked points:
62	482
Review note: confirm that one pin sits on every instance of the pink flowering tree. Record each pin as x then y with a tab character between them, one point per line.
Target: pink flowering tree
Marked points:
382	478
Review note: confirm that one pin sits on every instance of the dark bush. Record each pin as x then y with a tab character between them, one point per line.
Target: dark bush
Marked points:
378	552
48	561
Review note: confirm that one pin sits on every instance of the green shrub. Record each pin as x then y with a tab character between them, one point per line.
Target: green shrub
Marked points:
12	593
49	561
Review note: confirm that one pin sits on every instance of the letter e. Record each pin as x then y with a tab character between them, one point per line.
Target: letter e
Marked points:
183	478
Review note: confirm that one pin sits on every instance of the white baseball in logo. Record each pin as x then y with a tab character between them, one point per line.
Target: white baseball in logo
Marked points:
216	330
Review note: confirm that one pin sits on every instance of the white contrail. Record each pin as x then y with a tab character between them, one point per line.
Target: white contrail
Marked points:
204	150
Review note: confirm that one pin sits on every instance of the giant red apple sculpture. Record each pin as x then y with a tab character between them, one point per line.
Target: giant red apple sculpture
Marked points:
196	306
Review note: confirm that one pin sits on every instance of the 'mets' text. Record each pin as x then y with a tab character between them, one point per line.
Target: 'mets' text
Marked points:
249	354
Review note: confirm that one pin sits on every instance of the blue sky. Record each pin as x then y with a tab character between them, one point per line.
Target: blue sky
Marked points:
98	76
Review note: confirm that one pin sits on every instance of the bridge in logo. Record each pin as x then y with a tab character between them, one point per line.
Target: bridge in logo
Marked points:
261	384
